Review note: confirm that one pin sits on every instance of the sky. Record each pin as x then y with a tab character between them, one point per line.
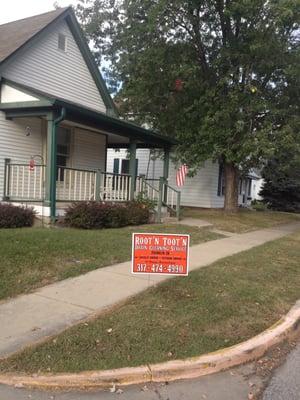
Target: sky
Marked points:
11	10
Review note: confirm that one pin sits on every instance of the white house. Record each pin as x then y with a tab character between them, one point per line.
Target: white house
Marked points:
57	119
206	189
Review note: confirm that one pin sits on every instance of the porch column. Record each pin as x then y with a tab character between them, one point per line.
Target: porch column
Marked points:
50	195
50	190
132	168
166	171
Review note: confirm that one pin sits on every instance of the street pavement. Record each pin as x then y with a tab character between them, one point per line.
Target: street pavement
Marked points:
222	386
285	383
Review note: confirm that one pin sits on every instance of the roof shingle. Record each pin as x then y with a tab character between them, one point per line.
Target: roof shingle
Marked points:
14	34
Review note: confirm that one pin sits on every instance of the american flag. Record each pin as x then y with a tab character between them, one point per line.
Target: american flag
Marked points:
181	174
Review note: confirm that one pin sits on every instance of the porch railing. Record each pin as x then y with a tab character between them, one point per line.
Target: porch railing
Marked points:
87	185
114	187
148	188
171	198
23	182
75	184
162	193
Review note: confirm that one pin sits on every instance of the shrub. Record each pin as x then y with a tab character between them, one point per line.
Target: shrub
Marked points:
143	199
138	213
15	216
259	205
94	215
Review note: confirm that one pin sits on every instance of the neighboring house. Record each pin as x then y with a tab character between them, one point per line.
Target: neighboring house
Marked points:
57	119
205	189
147	165
257	186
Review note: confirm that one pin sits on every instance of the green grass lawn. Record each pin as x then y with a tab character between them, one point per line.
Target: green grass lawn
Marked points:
34	257
242	221
212	308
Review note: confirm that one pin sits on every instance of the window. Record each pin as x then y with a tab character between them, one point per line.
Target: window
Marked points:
62	150
116	165
221	181
62	42
125	166
249	187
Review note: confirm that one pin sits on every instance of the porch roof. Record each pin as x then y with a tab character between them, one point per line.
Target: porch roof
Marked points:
119	132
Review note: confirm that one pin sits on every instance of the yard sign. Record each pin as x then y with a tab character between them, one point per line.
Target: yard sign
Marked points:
158	253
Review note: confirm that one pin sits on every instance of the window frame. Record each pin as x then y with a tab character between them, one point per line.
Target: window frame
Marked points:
65	39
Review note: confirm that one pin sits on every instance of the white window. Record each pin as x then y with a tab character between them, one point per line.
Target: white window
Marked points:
62	42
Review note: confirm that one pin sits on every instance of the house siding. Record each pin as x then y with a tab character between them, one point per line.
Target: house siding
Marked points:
14	144
155	169
63	74
199	191
89	150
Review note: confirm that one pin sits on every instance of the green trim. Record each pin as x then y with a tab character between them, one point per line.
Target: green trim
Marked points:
132	169
26	113
160	199
120	127
50	119
166	164
166	173
24	104
138	146
106	147
178	206
51	161
6	182
55	124
23	200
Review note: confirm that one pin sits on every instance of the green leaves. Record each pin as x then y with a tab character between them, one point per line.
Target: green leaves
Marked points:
238	62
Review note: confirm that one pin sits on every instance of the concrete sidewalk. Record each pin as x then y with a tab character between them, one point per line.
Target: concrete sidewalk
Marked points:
51	309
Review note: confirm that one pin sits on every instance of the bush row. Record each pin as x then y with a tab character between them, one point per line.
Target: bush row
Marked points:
86	215
94	215
15	217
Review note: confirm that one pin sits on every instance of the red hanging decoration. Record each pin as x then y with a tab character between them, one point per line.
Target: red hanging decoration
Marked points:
31	164
178	85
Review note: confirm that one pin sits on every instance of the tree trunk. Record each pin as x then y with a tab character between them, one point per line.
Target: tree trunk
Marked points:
231	187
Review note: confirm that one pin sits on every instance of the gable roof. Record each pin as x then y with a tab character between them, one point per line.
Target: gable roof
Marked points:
19	35
15	34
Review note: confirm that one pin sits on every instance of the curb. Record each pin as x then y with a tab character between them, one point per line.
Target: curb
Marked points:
286	328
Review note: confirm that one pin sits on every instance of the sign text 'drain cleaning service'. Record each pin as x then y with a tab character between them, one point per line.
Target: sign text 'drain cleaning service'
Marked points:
155	253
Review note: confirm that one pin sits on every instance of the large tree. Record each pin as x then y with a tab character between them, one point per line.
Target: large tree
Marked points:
213	73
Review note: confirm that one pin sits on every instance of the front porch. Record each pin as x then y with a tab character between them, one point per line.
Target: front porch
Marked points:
27	184
71	162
